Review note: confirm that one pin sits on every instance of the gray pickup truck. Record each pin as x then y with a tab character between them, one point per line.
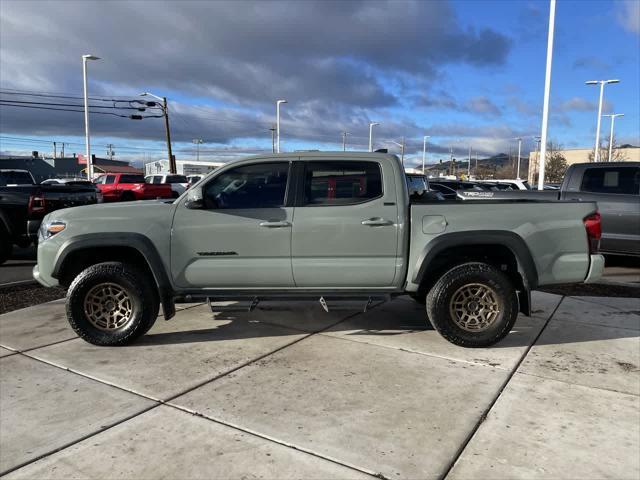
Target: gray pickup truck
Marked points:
614	186
324	226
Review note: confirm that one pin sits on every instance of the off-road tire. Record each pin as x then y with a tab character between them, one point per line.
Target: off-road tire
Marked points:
6	246
139	287
440	296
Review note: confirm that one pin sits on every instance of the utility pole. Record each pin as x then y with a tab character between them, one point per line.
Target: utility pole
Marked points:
63	149
344	140
519	149
273	139
87	142
197	141
476	169
165	113
613	119
54	150
110	151
547	91
424	151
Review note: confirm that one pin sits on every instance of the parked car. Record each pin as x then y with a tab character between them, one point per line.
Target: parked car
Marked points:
74	181
194	179
179	183
329	226
127	187
23	204
615	186
447	192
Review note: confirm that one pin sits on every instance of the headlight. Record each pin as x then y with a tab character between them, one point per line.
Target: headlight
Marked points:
49	229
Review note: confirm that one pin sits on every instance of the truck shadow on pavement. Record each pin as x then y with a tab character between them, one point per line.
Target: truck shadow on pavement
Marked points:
402	320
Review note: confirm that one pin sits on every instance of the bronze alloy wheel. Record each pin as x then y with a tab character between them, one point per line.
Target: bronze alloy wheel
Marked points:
108	306
474	307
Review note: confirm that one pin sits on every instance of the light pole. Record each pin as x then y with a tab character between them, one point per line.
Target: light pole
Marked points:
613	119
197	141
547	90
424	151
401	145
602	83
469	164
371	125
519	150
87	143
278	103
344	141
165	112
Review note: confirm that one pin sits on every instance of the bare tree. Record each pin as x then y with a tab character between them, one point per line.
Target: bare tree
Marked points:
617	154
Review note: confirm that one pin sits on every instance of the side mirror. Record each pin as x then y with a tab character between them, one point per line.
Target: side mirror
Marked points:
194	200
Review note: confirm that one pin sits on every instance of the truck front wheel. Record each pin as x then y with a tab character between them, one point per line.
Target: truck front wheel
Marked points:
112	303
473	305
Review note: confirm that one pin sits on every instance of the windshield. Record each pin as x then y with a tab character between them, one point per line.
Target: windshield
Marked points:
14	177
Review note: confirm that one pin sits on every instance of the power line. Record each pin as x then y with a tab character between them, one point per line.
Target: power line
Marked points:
23	102
104	98
79	111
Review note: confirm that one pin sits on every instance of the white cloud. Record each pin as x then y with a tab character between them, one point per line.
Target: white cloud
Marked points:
628	15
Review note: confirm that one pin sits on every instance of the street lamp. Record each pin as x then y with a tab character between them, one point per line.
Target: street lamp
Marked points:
278	124
613	119
371	125
602	83
344	141
424	151
401	145
197	141
165	112
547	91
519	149
87	143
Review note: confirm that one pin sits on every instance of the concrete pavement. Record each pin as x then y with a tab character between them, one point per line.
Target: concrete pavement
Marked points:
304	394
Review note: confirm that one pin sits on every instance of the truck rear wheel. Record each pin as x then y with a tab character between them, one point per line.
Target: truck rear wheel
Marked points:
112	303
473	305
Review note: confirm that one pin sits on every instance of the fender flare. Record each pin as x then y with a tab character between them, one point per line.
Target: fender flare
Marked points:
136	241
510	240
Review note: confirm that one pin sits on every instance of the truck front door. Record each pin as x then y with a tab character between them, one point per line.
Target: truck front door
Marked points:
345	228
242	236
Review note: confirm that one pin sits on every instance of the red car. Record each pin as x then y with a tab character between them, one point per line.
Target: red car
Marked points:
126	187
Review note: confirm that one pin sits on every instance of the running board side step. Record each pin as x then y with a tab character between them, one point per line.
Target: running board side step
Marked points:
328	303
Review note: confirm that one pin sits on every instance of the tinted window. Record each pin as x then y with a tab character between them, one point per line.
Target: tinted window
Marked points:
255	186
341	183
110	179
15	178
131	179
623	180
177	179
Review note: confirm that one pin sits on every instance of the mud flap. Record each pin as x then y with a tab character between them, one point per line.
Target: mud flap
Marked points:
524	300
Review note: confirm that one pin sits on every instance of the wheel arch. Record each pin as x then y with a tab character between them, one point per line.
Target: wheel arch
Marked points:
81	251
503	249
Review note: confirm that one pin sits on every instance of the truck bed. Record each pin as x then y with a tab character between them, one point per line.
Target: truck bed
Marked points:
553	232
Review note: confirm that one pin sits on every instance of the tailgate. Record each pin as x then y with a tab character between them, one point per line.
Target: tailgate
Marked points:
66	196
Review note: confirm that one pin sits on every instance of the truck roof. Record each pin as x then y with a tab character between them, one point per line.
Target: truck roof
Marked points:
339	155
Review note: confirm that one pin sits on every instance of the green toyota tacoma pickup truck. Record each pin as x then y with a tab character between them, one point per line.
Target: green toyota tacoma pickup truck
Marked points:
328	226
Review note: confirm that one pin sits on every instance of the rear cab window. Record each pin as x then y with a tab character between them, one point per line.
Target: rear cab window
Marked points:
130	179
329	183
614	180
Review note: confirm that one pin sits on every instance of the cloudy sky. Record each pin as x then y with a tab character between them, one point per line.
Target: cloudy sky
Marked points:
467	73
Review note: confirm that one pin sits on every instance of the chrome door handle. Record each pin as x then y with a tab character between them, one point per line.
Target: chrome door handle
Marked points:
376	222
274	224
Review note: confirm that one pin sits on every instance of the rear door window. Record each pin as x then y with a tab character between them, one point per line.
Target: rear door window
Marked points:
341	183
616	180
110	179
131	179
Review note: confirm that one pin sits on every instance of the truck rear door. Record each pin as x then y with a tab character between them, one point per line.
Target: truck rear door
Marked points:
345	231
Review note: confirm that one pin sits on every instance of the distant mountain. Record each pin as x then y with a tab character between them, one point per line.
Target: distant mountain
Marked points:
494	166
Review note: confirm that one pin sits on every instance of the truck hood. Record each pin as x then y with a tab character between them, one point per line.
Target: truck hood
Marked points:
135	217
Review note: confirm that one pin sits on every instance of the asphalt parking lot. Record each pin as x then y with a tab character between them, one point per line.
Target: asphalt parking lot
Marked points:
289	391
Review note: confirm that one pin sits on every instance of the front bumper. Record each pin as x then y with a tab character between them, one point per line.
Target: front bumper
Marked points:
596	268
47	282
